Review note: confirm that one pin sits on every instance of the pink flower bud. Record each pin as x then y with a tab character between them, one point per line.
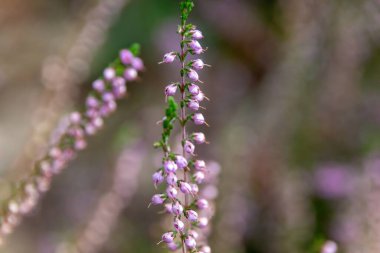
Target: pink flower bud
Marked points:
109	73
193	89
189	147
55	152
193	234
126	56
104	111
97	122
120	91
46	168
171	179
185	187
137	64
198	119
170	90
169	207
195	45
92	102
181	162
119	87
206	249
202	222
76	132
99	85
75	117
92	113
80	144
157	177
192	215
190	242
170	166
196	34
172	246
194	189
198	64
177	208
193	75
31	190
158	199
130	74
28	205
198	51
58	166
202	204
169	57
168	237
90	129
171	192
111	105
118	81
108	96
199	177
68	154
199	97
200	165
199	138
193	105
178	224
43	184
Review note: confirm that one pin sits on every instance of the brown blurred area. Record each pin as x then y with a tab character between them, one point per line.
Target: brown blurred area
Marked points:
294	115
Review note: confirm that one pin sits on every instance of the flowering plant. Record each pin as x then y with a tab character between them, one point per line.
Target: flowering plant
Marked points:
182	171
70	137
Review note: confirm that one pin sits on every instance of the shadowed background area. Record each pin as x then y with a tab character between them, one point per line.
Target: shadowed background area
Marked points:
294	116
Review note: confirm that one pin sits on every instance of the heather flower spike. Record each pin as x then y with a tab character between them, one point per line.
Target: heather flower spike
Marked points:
71	136
180	171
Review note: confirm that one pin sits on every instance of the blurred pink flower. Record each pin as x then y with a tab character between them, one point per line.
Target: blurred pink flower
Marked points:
333	181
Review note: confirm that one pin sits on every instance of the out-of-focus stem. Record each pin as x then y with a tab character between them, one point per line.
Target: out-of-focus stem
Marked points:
125	181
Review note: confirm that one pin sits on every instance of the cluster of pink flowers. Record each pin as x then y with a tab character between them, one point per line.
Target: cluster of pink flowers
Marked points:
183	172
70	137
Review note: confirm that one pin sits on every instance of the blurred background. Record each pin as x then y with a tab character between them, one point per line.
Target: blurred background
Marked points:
294	115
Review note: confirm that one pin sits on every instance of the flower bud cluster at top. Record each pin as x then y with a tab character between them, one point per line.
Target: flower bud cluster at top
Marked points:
181	173
70	137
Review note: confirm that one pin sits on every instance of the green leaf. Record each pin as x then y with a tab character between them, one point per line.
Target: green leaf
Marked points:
170	117
119	70
186	7
171	111
135	49
157	144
